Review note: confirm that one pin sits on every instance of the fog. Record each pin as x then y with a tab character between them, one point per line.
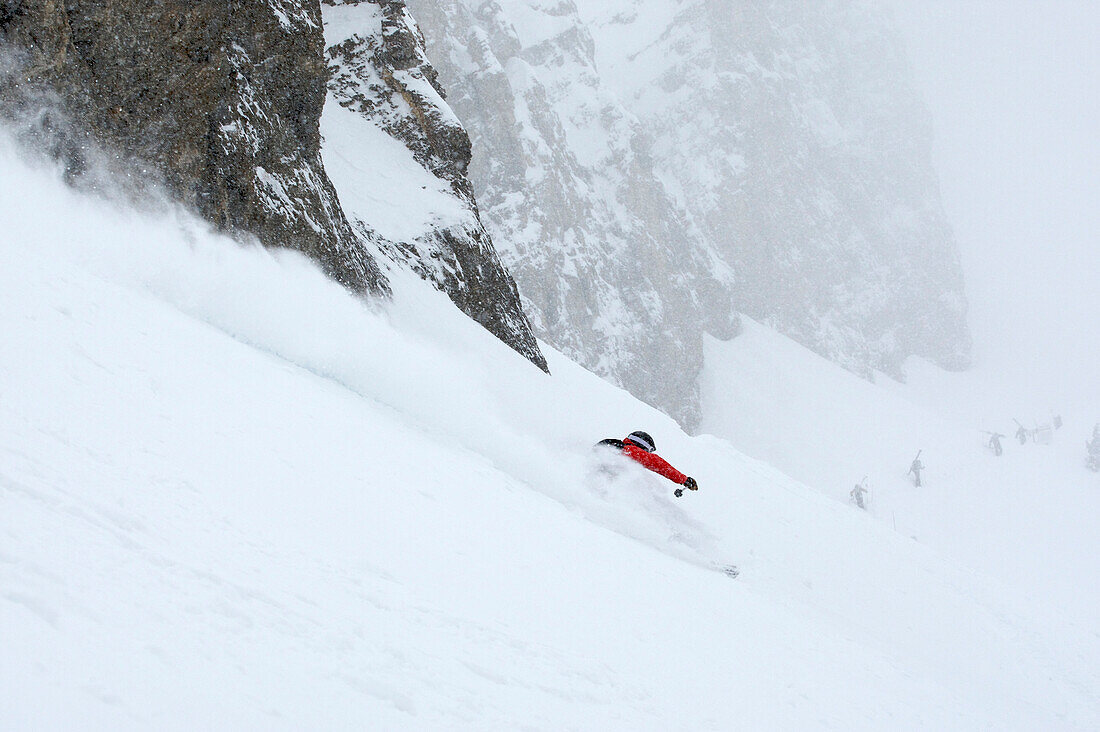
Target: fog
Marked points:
1012	87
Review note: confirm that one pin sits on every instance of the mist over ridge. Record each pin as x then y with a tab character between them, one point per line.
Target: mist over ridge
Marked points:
650	169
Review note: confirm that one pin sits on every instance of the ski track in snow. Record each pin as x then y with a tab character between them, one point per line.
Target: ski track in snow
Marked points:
235	497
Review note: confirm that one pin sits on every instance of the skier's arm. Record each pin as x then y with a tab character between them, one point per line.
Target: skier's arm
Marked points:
659	465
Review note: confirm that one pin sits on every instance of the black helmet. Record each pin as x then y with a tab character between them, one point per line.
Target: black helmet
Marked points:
642	440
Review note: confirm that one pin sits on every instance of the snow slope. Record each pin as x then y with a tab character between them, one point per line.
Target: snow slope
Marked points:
1027	517
233	496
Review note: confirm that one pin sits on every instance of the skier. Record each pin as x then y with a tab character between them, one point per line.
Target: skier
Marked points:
640	447
857	495
915	469
1021	434
1093	448
995	443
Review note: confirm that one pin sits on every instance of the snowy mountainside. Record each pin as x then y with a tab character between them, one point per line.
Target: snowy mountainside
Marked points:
1025	517
797	141
235	496
697	159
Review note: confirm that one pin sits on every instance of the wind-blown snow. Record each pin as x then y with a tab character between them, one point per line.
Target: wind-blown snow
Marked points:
235	496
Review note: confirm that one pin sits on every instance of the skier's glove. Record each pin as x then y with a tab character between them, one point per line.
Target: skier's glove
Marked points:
678	492
691	485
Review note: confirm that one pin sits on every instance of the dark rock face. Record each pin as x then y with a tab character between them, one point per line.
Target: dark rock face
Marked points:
221	98
380	72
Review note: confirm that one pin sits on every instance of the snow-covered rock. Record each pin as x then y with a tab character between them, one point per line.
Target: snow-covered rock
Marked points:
648	168
810	165
399	157
609	268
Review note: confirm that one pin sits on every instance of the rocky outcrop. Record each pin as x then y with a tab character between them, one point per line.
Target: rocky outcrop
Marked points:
221	99
610	270
380	73
221	104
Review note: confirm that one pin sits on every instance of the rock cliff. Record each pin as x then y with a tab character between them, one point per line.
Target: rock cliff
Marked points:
382	77
221	99
649	168
811	168
610	269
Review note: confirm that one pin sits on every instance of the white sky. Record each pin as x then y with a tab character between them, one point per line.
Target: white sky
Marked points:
1013	89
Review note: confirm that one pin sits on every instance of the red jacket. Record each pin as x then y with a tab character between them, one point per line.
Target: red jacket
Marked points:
654	462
